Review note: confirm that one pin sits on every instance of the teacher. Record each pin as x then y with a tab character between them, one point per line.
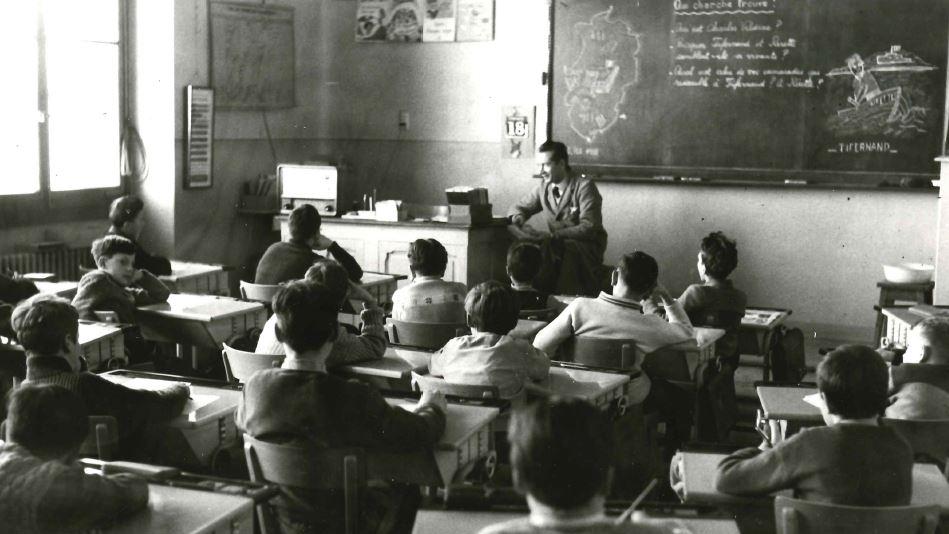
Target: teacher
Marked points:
574	240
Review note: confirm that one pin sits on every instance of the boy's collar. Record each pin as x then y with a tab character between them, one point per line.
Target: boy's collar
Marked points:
714	282
426	277
518	286
544	516
620	301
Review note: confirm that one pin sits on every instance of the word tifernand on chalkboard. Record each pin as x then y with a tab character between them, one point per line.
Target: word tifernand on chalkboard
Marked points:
821	90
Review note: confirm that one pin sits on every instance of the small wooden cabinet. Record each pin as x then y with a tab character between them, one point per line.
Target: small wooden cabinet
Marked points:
475	254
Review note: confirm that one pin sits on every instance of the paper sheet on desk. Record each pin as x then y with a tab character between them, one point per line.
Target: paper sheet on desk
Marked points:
149	384
814	400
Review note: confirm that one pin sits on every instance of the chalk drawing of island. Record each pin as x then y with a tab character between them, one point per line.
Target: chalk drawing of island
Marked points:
891	95
600	75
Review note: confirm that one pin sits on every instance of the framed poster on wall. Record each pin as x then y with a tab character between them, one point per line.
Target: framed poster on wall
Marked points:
199	122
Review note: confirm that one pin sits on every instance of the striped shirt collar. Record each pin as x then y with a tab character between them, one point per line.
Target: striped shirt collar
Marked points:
620	301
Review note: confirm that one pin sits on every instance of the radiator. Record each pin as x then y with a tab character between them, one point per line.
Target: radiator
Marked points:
63	261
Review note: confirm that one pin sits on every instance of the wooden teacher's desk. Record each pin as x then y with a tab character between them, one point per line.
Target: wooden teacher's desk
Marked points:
475	253
186	511
207	422
197	278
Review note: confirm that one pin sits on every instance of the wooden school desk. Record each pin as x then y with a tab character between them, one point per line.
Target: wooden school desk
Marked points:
187	511
899	321
786	403
197	278
699	470
467	439
755	333
207	422
704	349
381	286
392	371
101	343
601	388
67	290
203	321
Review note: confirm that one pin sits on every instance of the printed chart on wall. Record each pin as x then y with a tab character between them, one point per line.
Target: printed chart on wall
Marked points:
823	90
413	21
252	56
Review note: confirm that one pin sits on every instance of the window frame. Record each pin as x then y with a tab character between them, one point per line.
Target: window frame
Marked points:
46	205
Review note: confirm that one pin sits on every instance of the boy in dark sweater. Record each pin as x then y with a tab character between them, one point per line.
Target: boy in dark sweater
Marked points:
42	487
118	287
301	403
852	461
125	213
288	260
561	457
523	266
48	328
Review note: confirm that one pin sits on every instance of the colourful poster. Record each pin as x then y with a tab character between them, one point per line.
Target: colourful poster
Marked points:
475	20
439	25
389	20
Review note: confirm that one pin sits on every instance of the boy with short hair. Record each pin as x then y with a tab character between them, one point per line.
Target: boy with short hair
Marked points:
370	344
429	298
48	328
44	489
562	454
301	403
118	287
852	461
489	356
288	260
919	387
523	265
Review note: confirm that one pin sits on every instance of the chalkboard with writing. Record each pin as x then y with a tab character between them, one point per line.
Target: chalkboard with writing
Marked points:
832	91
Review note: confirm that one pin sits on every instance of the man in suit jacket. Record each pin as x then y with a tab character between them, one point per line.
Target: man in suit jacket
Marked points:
574	239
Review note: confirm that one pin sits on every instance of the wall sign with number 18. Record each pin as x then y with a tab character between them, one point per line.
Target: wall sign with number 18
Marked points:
518	134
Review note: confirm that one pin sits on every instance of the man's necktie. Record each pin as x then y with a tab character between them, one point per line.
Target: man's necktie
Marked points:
556	194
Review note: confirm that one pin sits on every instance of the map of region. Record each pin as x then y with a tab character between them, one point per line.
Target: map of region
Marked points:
598	79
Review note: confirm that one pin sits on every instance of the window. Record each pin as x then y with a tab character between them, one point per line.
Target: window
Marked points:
65	98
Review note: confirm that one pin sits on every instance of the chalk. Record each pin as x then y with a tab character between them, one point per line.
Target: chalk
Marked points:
795	182
664	178
690	178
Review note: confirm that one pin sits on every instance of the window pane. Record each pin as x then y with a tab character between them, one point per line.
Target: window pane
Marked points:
85	20
19	130
84	124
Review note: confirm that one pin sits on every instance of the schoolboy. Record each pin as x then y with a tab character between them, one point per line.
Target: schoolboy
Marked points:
429	298
301	403
116	286
127	220
523	265
489	356
919	387
715	302
561	459
370	344
44	489
852	461
47	326
287	260
13	289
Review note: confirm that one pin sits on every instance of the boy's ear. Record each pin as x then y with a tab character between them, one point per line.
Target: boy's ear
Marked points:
468	320
927	352
614	277
100	262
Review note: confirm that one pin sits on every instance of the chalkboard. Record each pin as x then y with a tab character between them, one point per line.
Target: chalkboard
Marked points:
832	91
252	56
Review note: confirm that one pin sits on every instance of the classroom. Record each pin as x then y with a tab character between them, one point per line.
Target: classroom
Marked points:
496	266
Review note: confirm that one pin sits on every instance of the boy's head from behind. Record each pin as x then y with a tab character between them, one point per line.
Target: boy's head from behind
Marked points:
49	421
306	315
491	307
332	275
115	255
48	325
427	257
304	223
561	452
635	276
124	215
928	342
523	262
853	382
718	257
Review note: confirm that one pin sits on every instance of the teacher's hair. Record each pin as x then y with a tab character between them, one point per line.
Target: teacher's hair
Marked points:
558	151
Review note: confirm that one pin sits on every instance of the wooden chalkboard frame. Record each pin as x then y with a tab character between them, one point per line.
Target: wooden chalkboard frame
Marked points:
745	177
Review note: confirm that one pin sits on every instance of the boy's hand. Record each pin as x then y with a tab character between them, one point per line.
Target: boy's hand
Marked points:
322	242
136	275
434	398
662	295
518	220
372	315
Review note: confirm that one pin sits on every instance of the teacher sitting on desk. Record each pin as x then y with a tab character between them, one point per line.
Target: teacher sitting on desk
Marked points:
574	239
